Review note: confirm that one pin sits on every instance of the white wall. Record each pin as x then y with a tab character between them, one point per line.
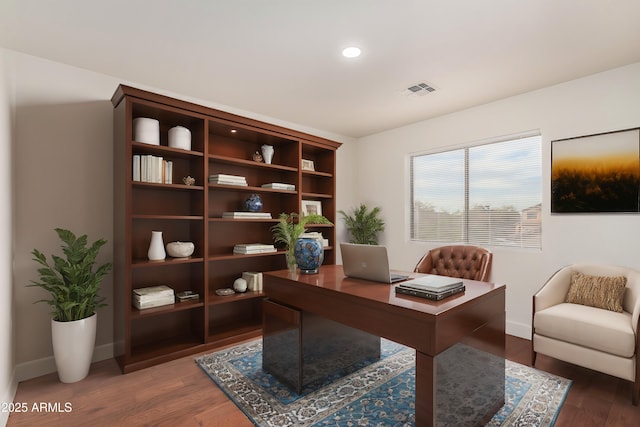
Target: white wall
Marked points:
64	172
603	102
7	381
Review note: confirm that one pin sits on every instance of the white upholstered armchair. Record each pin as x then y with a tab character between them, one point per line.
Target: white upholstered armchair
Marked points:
598	327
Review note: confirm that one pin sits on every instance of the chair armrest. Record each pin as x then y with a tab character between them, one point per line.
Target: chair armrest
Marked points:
631	301
554	291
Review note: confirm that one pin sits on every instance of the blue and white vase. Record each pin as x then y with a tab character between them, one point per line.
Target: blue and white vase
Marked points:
309	254
253	203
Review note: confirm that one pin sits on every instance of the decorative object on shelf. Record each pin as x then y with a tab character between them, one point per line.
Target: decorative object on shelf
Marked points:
74	286
288	230
240	285
146	130
153	296
363	226
253	203
189	180
309	254
225	291
307	165
257	157
254	280
311	207
180	137
156	247
180	249
267	153
187	296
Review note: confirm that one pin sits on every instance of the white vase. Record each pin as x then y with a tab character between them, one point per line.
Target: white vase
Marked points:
156	247
73	344
180	137
267	153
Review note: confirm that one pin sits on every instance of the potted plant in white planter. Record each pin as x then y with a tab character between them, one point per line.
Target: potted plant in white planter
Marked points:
74	286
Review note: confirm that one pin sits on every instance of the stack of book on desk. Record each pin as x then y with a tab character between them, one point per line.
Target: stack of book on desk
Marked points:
253	248
432	287
228	179
154	296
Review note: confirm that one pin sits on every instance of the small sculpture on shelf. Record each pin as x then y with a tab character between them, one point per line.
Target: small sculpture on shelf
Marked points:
180	249
257	157
240	285
253	203
189	180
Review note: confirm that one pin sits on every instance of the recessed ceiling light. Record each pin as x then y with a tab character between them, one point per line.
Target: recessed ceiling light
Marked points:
233	131
351	52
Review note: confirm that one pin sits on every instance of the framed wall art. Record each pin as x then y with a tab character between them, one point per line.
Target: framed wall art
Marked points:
596	173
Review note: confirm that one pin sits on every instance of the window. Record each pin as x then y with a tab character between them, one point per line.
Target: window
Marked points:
487	194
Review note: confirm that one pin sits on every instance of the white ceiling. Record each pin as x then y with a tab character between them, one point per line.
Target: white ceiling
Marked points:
281	58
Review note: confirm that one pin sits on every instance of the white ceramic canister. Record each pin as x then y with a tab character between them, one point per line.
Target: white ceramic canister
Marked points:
146	130
180	137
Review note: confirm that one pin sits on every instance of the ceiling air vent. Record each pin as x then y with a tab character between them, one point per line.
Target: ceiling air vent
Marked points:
420	89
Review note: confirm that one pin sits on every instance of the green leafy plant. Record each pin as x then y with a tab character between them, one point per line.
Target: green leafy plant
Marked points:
72	281
364	225
290	227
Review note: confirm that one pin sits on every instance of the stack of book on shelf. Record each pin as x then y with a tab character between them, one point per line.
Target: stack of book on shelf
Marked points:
316	235
253	248
259	215
148	168
432	287
254	280
153	296
280	186
221	178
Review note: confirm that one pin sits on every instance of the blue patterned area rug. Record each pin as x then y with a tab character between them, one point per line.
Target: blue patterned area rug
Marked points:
379	394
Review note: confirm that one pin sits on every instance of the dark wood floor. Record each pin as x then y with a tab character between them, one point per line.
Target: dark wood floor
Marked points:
179	393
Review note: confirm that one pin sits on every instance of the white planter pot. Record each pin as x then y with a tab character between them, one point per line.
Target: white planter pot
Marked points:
73	344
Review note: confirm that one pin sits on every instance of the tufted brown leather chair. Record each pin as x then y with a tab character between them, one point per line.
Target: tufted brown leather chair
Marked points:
462	261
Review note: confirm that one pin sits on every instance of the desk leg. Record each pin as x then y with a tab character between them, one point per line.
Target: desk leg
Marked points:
425	390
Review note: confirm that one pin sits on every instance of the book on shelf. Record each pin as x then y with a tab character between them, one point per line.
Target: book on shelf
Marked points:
434	296
279	186
155	169
253	248
153	296
228	179
254	280
261	215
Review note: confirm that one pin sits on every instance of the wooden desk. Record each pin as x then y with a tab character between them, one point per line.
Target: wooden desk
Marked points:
437	330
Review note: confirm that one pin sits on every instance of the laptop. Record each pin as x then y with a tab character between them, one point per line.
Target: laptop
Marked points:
368	262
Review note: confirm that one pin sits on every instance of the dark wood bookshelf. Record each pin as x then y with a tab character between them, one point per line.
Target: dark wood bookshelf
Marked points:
221	143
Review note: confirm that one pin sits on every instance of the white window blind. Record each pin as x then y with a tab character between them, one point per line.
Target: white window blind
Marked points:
488	194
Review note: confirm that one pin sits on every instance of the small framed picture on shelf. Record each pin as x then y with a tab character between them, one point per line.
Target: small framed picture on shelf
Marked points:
307	165
310	207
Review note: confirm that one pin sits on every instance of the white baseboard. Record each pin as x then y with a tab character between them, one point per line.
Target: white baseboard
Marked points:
36	368
520	330
7	396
